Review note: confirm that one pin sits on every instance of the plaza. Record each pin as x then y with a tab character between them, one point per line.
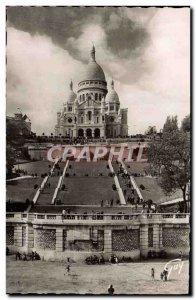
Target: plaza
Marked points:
127	278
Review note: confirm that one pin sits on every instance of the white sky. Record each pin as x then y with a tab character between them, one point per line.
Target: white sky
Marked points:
152	82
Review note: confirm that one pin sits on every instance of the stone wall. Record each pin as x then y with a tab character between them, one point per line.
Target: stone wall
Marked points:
57	238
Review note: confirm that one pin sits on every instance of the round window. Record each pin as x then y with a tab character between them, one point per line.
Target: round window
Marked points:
111	119
70	120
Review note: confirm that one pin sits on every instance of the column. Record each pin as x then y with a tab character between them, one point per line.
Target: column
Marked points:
156	237
107	241
143	240
93	132
18	235
59	240
160	236
30	238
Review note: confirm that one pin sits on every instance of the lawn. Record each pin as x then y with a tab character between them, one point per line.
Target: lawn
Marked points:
136	167
133	278
87	190
20	190
39	167
153	190
91	168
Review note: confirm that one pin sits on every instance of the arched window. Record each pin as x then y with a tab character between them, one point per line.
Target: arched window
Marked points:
96	96
83	97
89	115
100	95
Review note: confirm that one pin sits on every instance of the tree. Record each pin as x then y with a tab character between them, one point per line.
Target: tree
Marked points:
186	124
170	157
10	159
151	130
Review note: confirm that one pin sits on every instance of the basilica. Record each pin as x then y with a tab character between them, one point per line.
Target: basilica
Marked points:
94	111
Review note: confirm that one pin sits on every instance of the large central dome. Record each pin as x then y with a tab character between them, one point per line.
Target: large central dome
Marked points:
93	71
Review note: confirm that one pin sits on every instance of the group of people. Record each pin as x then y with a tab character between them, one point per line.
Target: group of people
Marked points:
109	203
163	275
25	257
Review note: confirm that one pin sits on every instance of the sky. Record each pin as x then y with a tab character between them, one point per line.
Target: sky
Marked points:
145	50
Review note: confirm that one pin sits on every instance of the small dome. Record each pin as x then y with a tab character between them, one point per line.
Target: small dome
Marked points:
71	96
112	96
93	71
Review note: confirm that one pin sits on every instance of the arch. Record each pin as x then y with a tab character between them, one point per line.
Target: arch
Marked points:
80	132
97	133
89	132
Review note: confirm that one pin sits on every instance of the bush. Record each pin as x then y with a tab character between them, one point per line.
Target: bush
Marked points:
27	201
162	254
114	187
142	187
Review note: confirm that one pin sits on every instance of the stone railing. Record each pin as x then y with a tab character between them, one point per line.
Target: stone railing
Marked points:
59	183
61	218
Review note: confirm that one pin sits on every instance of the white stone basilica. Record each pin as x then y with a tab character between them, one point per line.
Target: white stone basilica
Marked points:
94	111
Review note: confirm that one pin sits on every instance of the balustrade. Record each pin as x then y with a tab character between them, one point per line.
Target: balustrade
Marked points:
94	217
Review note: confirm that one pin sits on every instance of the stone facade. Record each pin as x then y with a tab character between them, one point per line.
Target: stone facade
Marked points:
94	111
58	238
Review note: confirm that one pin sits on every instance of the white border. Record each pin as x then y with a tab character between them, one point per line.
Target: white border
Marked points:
3	4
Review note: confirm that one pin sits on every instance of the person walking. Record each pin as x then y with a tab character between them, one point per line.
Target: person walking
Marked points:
152	273
161	275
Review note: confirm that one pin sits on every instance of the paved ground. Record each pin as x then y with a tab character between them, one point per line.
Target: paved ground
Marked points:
132	278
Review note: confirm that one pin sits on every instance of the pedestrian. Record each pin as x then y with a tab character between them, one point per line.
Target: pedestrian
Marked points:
101	203
111	290
32	255
180	255
161	275
152	273
18	256
165	274
68	269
